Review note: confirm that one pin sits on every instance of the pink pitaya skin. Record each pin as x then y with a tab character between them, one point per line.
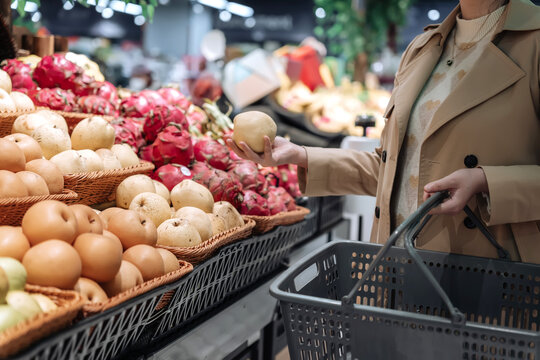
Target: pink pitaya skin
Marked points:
172	174
128	131
172	145
82	85
213	153
135	106
276	204
234	157
284	195
56	71
270	175
146	153
56	99
93	104
159	117
20	74
106	90
153	97
248	174
175	97
288	175
222	186
196	117
254	204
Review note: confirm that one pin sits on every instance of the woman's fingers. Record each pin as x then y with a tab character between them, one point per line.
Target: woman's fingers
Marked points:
235	148
250	153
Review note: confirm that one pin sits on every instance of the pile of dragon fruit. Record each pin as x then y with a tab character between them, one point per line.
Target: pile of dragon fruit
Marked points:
184	141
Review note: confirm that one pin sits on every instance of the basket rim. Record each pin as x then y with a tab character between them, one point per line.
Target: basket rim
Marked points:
206	248
143	165
67	194
74	304
297	211
80	115
95	308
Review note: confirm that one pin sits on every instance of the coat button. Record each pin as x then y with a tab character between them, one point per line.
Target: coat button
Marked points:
377	212
469	224
471	161
383	156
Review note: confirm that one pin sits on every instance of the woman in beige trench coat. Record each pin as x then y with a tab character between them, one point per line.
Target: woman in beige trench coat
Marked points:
482	144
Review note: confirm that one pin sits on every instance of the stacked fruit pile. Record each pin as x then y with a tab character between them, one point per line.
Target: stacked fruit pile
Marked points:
18	305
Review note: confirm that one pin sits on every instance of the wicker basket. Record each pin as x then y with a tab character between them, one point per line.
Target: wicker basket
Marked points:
25	333
95	308
267	223
12	210
73	118
7	120
100	186
198	253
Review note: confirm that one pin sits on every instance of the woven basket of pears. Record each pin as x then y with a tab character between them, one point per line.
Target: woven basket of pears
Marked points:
97	187
73	118
201	252
95	308
20	336
7	119
13	209
267	223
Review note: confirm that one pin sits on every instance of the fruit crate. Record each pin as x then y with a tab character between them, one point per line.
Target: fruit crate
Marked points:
234	268
102	336
331	211
311	222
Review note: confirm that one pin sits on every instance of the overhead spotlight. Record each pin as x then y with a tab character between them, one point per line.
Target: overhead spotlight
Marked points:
107	13
433	15
225	16
36	16
68	6
320	13
139	20
250	22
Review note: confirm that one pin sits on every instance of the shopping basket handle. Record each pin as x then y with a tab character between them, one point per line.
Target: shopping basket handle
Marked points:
412	227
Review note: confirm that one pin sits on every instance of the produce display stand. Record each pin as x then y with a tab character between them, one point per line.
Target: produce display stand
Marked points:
352	300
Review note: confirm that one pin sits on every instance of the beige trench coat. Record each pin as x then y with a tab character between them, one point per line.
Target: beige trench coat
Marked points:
492	119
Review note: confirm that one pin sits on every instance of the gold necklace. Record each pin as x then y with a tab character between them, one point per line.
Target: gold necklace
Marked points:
470	43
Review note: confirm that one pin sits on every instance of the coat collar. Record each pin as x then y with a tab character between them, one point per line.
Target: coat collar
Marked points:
520	15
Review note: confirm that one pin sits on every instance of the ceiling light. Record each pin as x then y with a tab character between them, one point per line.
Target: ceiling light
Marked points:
133	9
68	6
107	13
139	20
320	13
225	16
217	4
250	22
434	15
30	7
239	9
36	17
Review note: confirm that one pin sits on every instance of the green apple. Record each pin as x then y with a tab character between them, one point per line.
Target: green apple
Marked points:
15	271
9	317
44	302
23	303
4	286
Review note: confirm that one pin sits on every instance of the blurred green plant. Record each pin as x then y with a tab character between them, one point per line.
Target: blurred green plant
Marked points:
148	6
352	27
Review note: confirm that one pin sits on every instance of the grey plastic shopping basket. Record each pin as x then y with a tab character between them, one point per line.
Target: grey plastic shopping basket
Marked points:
353	300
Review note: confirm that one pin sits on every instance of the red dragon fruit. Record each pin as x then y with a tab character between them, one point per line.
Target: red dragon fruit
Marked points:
283	196
288	177
93	104
175	97
159	117
248	173
213	153
172	145
56	99
82	85
254	204
172	174
153	97
128	131
56	71
146	153
223	186
275	202
196	117
234	157
135	106
270	175
20	73
105	90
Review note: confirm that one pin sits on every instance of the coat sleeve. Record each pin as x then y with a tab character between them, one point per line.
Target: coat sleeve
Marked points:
339	172
513	194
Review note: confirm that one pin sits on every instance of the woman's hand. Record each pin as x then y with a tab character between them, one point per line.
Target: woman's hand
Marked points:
281	152
462	185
